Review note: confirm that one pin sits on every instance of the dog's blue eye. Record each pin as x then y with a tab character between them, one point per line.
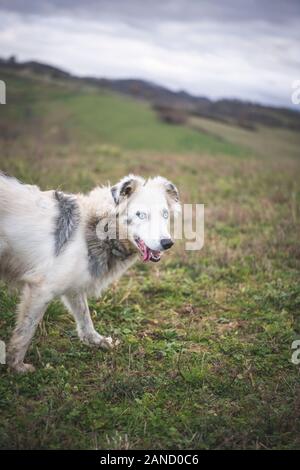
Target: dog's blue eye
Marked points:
141	215
165	214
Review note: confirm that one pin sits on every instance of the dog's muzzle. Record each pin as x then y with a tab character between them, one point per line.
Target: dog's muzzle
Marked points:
146	253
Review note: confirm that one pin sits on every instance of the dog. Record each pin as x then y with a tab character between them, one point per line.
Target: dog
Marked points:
70	246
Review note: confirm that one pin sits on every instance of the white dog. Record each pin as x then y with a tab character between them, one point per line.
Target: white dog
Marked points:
55	244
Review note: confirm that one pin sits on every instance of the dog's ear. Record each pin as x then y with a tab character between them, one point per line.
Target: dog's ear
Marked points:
172	194
126	187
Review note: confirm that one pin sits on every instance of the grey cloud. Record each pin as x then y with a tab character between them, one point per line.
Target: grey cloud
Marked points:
247	49
269	11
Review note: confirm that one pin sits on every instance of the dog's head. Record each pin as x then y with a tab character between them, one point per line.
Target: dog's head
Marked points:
145	207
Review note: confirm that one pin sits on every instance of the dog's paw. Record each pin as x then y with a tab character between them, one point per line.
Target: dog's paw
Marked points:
103	342
23	368
108	343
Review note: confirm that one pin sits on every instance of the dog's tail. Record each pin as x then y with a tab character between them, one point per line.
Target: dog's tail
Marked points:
15	195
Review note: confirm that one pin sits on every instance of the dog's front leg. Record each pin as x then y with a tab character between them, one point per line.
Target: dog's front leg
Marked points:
33	304
78	306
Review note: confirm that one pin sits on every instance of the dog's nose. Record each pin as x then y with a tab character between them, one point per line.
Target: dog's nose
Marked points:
166	243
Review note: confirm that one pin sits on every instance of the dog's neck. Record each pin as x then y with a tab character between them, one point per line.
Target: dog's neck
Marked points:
104	253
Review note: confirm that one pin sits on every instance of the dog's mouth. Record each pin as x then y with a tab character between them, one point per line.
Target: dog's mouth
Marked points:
146	253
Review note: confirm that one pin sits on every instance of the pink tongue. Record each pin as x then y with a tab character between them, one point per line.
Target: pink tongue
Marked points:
146	253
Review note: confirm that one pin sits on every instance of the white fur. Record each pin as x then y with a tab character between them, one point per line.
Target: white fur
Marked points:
27	258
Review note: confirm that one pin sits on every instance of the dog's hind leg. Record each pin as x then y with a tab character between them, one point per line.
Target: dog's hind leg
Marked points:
78	307
3	245
31	310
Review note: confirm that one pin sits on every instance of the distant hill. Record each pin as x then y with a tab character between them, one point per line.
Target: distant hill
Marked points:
173	107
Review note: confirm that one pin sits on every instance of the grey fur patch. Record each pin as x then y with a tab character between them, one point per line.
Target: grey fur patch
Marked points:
114	192
124	189
67	220
172	191
127	188
104	254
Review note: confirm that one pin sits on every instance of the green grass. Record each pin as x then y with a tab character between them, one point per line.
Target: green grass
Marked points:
98	114
205	354
263	141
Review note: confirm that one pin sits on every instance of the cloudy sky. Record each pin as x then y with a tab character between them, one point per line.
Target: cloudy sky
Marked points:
246	49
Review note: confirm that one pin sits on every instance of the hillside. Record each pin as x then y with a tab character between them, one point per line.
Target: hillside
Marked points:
77	110
232	111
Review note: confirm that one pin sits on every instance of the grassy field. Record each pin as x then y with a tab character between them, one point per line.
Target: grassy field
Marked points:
205	354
